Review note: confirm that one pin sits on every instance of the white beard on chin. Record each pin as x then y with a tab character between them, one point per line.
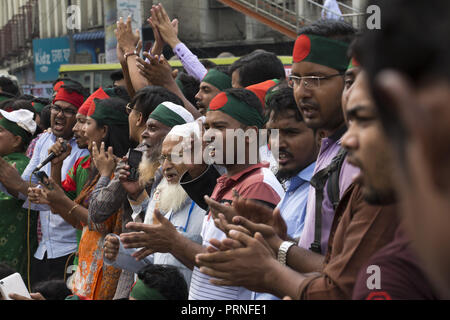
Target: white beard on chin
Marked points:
147	170
171	196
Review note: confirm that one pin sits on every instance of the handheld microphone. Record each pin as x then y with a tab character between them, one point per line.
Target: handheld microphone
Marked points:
51	157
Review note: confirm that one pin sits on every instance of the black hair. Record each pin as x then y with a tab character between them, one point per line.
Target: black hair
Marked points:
257	67
166	279
147	99
8	86
332	29
281	99
5	270
46	115
248	97
53	290
117	76
208	64
413	42
190	88
122	93
27	97
118	135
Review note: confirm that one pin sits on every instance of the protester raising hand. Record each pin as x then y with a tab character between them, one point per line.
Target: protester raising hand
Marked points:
159	43
104	161
167	29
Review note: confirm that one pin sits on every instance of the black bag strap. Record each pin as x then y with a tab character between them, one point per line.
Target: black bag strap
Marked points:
330	174
333	188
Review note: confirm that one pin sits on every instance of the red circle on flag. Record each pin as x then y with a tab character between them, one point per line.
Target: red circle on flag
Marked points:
380	295
219	101
302	48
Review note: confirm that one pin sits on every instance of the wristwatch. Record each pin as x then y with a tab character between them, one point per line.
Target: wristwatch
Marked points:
128	54
283	250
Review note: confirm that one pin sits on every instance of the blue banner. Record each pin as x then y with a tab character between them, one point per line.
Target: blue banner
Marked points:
49	55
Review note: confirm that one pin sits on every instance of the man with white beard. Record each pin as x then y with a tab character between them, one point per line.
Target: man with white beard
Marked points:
172	201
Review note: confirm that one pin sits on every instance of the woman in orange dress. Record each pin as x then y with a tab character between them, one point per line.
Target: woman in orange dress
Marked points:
107	127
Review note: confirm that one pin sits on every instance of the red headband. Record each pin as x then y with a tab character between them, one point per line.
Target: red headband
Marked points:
73	98
99	94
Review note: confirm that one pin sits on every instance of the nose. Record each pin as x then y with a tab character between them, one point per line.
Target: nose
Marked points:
301	92
350	140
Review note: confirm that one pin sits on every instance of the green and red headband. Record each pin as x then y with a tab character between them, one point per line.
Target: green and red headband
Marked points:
237	109
102	111
321	50
218	79
73	97
261	90
99	94
353	64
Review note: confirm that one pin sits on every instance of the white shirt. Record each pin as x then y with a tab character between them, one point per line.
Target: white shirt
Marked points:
58	237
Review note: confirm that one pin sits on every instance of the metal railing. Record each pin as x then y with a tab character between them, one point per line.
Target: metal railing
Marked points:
287	12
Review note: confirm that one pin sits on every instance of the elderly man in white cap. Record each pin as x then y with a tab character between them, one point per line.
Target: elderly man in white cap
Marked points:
16	131
167	199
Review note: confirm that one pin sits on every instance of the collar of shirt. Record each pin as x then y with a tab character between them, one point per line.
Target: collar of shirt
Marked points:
304	176
333	140
239	176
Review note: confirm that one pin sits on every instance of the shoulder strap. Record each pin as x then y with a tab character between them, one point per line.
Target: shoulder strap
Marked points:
330	174
333	188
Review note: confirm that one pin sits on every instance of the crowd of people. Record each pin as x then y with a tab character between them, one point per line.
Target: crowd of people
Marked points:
148	196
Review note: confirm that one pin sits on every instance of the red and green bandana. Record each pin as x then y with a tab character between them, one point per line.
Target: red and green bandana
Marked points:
99	94
38	107
261	90
72	97
102	111
237	109
171	114
353	64
218	79
321	50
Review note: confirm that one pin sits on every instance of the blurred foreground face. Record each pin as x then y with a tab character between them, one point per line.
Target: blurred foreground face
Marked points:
420	138
368	145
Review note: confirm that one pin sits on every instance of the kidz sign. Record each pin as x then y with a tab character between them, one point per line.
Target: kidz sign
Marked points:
49	55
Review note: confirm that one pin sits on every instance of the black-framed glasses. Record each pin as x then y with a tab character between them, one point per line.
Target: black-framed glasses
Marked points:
310	82
67	112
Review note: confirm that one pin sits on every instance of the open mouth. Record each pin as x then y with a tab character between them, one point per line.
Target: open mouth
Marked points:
283	158
309	111
59	125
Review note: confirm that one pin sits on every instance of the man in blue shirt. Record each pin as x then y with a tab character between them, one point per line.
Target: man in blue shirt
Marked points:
298	150
58	237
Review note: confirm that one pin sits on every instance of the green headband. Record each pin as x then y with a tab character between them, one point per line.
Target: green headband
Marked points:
237	109
180	85
102	111
141	292
218	79
16	130
170	115
321	50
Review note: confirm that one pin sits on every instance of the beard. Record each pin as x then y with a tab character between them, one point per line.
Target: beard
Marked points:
285	175
149	165
171	196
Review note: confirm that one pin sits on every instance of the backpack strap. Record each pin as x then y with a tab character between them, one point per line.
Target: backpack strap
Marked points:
333	188
331	175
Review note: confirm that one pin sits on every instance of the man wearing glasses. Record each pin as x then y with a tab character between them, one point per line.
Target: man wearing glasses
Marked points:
58	237
320	61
